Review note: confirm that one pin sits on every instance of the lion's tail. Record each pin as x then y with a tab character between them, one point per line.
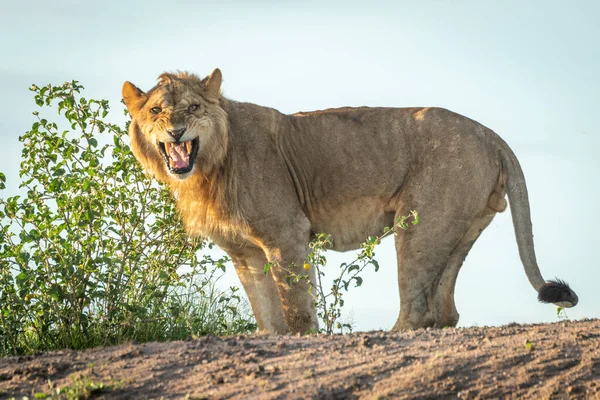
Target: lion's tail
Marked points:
556	291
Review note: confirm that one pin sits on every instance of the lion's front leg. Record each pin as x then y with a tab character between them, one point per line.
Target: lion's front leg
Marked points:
296	299
261	291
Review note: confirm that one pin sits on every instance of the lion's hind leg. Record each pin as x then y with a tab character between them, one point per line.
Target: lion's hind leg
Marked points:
445	313
429	258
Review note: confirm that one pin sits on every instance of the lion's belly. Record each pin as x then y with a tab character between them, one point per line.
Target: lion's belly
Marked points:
351	223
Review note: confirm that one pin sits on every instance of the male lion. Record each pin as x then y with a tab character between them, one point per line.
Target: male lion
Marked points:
260	183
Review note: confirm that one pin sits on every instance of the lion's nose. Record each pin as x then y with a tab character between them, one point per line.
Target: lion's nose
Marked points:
176	133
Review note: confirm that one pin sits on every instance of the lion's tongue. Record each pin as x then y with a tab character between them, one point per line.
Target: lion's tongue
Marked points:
179	155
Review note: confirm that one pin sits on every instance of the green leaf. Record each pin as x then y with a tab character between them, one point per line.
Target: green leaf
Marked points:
267	268
358	280
416	217
375	264
21	277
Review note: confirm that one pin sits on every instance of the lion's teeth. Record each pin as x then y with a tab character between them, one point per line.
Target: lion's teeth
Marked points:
168	147
188	146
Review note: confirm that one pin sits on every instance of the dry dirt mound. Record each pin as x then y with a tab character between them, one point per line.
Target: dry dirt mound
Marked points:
560	360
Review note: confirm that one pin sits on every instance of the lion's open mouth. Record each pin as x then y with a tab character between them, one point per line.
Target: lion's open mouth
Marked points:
179	156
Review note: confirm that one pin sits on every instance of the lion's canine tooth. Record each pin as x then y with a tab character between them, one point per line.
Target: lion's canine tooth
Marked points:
168	147
188	146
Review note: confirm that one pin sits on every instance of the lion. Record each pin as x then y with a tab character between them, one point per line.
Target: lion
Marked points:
260	184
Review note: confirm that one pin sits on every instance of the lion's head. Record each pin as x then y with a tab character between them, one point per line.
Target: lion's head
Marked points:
179	126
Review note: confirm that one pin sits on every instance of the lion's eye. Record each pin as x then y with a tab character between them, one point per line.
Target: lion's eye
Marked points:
155	110
193	107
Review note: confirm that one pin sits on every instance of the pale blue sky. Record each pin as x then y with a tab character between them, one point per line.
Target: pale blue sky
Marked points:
528	70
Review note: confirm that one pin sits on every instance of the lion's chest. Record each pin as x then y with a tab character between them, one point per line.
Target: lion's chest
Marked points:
204	218
351	221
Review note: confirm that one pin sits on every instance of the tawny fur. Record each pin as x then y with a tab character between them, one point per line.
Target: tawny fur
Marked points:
263	183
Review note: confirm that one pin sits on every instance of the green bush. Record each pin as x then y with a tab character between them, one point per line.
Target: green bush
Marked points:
92	252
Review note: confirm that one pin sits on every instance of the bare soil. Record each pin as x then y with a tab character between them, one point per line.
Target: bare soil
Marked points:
546	361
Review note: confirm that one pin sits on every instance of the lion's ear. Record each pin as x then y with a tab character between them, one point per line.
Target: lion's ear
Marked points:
133	97
212	83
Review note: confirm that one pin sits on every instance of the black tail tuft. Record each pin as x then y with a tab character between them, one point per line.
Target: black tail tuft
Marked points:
558	292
